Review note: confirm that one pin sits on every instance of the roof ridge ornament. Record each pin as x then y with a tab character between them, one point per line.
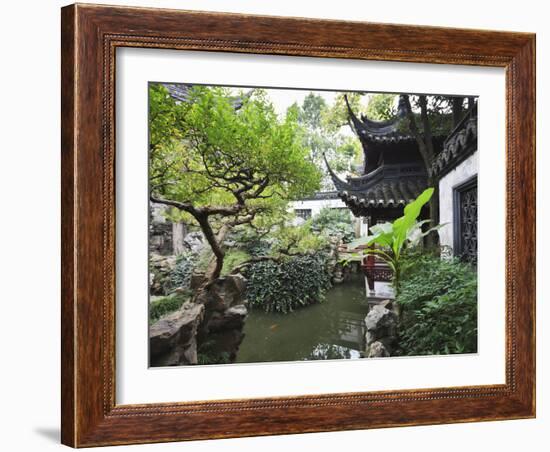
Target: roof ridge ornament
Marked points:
367	127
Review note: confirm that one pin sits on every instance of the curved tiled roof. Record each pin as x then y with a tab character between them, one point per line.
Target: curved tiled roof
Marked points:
379	130
386	193
386	186
461	143
387	132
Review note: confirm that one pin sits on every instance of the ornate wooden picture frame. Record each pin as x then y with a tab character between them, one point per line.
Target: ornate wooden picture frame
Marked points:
90	37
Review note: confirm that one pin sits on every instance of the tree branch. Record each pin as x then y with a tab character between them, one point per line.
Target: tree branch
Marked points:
423	149
185	206
428	139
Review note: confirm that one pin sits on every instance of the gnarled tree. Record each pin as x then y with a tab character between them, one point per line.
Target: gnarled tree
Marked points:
221	164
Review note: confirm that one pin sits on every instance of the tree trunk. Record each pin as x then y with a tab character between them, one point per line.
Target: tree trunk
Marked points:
428	138
424	140
432	239
425	151
457	110
471	103
215	265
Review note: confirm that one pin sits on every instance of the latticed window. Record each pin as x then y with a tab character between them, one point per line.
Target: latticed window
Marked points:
465	221
303	213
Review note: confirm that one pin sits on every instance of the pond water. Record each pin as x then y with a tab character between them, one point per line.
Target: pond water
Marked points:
329	330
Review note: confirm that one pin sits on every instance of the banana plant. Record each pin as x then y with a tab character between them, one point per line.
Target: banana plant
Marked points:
392	238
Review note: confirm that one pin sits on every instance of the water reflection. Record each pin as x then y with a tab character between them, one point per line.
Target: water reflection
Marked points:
333	329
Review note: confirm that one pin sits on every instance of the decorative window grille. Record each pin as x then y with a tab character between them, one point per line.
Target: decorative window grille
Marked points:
303	213
465	221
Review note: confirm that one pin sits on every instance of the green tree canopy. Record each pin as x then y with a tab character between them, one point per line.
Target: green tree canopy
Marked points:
381	106
225	166
337	115
324	138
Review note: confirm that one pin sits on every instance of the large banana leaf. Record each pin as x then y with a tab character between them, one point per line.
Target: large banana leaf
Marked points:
383	234
404	224
416	234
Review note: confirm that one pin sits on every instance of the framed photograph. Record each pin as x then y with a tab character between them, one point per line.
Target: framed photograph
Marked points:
281	225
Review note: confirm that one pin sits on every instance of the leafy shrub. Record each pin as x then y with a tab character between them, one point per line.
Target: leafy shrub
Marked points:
165	305
287	285
438	298
298	240
204	258
232	259
258	247
208	353
327	217
334	222
181	274
251	241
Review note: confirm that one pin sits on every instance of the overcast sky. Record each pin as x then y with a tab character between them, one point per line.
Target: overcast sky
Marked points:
284	98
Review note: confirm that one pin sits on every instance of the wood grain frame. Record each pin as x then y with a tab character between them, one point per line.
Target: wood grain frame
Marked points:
90	36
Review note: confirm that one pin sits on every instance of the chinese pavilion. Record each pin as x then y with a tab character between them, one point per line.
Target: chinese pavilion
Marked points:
394	173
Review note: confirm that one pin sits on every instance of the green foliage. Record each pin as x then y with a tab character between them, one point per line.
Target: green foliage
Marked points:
293	240
233	258
165	305
337	115
204	150
391	238
182	272
208	353
257	246
284	286
439	110
405	228
327	217
334	222
438	298
381	106
311	111
324	138
204	258
352	152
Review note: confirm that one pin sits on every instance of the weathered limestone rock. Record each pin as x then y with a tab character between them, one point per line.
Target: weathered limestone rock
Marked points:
223	293
197	280
232	289
213	320
381	323
172	340
338	274
377	350
160	237
160	268
194	241
225	314
225	331
231	319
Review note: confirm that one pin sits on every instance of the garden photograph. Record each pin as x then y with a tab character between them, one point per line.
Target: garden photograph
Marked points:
294	225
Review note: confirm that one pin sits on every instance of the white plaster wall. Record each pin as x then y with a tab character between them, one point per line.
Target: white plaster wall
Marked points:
317	204
461	173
